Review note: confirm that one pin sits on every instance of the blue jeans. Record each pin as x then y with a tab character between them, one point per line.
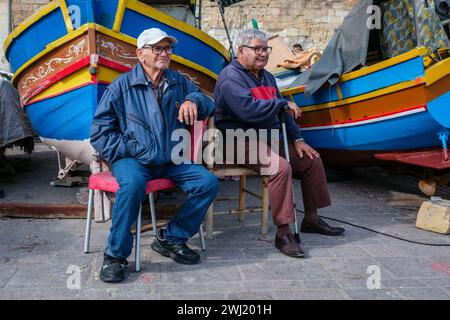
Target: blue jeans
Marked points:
199	184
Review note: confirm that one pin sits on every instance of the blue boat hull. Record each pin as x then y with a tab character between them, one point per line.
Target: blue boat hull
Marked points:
398	105
67	116
385	135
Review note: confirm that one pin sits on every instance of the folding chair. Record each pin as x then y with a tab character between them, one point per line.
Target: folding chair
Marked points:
105	182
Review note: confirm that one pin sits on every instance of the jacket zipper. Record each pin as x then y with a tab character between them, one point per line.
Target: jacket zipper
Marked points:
166	129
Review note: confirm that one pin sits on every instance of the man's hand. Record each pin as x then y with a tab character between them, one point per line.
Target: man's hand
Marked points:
302	148
188	113
294	110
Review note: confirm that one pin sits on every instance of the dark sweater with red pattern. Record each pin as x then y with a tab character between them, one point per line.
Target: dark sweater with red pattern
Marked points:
244	101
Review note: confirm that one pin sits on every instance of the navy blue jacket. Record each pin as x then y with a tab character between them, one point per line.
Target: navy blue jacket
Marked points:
129	123
244	101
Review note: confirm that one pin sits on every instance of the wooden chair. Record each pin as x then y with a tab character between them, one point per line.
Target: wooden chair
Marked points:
235	170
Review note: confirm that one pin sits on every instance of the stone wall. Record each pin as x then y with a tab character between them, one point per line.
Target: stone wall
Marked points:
309	22
4	29
21	10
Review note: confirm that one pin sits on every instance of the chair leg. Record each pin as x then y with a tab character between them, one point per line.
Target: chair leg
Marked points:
202	238
151	199
242	187
209	221
265	207
87	236
138	241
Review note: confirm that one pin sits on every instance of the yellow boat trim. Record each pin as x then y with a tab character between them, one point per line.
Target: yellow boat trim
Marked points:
338	91
51	46
119	15
61	41
367	96
65	13
111	33
292	91
106	74
172	22
422	51
437	71
73	80
28	22
194	66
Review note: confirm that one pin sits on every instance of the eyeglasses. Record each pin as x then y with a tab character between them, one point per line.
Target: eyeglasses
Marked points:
159	49
260	50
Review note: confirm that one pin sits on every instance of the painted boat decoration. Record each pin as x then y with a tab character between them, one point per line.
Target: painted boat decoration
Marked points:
397	104
391	106
65	55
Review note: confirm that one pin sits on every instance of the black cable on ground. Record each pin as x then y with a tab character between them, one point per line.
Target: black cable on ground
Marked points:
382	233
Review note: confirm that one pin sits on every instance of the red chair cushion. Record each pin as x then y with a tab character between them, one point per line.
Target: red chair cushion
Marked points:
159	184
105	181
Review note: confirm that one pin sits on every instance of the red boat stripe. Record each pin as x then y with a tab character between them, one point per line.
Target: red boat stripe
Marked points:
62	92
114	65
362	119
33	91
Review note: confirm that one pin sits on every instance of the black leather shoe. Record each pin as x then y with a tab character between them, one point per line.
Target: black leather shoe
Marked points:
113	269
321	227
181	253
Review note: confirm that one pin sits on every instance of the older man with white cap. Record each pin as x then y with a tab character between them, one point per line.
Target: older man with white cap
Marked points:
132	129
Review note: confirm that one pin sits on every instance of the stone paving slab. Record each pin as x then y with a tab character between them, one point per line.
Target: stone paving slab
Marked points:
36	255
323	294
257	270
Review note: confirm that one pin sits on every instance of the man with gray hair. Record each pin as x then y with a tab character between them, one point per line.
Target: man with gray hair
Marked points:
247	97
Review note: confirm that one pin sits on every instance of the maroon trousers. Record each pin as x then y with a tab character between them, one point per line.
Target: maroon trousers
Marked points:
311	172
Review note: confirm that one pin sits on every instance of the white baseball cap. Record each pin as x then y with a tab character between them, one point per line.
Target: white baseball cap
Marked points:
152	36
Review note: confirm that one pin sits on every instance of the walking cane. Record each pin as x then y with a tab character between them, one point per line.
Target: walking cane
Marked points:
288	158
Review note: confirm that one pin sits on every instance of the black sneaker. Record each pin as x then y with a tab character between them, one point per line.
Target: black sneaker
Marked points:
181	253
113	269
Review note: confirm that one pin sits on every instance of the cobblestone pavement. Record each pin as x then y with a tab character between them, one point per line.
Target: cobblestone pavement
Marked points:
40	258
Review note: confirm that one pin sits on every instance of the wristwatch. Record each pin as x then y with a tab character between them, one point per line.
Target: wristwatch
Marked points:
299	139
